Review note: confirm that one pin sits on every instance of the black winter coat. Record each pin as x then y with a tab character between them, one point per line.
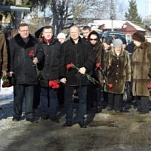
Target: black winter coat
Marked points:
49	65
21	62
81	55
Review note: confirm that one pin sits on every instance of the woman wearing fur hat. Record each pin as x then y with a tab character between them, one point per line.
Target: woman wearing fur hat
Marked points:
141	72
118	72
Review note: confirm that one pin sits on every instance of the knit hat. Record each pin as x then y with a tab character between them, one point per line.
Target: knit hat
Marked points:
61	35
117	42
138	37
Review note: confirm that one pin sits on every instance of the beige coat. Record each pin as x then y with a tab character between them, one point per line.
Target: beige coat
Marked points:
141	69
118	71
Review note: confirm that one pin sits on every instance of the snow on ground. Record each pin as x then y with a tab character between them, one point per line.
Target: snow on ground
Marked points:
6	102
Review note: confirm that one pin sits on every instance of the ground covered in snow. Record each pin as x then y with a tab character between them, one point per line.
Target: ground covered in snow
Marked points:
107	131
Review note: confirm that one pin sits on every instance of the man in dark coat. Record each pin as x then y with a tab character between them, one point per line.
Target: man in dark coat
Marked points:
23	71
49	67
78	52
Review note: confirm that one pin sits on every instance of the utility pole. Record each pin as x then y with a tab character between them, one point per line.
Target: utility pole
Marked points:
18	14
112	14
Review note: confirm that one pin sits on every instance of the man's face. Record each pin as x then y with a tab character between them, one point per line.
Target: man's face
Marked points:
74	33
47	33
24	31
86	33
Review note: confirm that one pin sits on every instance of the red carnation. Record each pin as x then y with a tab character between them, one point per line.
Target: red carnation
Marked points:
98	65
54	84
69	66
149	86
31	53
110	86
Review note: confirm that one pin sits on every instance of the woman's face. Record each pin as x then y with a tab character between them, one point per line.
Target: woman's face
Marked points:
93	39
137	43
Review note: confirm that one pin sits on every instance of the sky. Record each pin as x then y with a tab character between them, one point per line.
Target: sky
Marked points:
141	7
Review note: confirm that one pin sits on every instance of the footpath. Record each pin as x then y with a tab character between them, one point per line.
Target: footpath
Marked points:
107	131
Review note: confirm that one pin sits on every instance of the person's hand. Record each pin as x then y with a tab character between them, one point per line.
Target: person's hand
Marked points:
82	70
4	73
11	73
63	80
35	60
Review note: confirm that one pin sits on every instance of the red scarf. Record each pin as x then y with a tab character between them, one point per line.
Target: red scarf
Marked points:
47	41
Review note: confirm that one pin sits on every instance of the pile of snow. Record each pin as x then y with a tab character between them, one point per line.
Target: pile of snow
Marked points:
5	90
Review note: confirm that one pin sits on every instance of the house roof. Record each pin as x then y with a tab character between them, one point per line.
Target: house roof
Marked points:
116	24
136	26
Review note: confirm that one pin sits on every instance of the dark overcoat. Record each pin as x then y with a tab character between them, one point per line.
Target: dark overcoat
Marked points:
20	60
3	53
81	55
141	69
49	65
118	71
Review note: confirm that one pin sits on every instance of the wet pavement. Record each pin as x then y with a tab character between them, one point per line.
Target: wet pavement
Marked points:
106	131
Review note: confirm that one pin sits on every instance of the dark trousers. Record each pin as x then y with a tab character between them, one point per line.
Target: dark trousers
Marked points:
82	95
115	101
48	101
142	103
21	93
36	96
95	95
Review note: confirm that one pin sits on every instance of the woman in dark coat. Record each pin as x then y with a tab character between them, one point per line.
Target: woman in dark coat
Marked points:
141	72
118	72
95	91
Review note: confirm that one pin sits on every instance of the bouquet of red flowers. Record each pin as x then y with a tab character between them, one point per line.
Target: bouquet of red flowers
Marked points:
54	84
6	82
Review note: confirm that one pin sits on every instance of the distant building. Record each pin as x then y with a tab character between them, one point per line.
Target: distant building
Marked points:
118	25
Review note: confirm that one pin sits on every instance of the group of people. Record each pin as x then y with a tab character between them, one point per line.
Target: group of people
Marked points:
95	69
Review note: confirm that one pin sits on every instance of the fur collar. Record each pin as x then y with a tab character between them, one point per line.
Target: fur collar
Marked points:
31	42
143	45
114	53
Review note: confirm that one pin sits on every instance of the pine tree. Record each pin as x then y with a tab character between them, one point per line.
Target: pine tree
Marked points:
132	14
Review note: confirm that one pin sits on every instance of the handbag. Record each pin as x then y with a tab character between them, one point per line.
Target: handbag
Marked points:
6	82
127	92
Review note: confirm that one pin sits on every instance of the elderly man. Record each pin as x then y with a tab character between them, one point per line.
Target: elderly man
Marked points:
75	51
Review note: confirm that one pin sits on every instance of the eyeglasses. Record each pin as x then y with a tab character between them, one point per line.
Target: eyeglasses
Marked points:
24	30
93	39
